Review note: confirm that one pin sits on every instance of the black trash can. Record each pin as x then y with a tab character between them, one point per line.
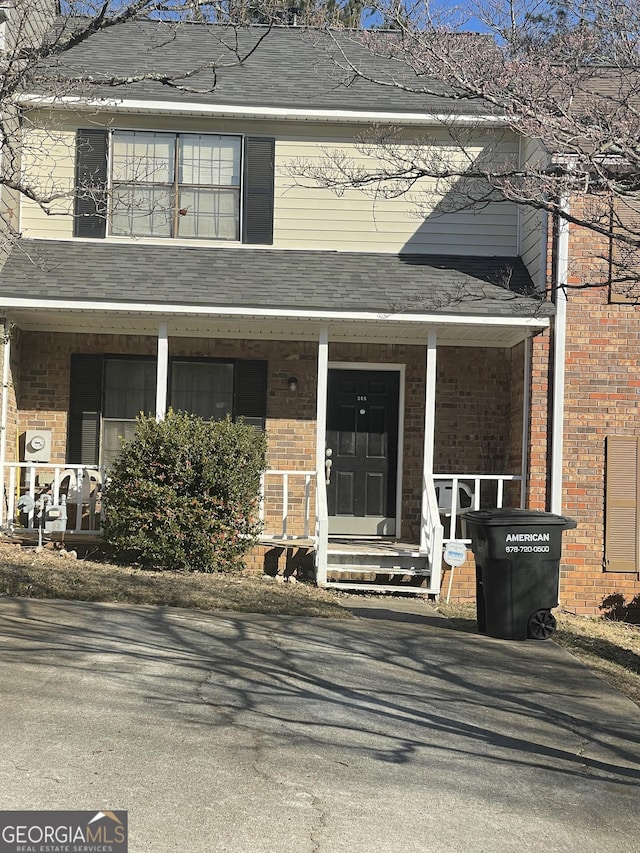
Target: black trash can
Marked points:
517	555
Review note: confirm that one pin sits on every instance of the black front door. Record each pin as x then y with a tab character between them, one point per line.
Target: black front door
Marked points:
362	437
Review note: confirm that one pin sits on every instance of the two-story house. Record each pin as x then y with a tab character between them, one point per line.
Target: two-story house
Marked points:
398	362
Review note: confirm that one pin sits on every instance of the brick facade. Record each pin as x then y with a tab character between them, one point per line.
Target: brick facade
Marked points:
602	389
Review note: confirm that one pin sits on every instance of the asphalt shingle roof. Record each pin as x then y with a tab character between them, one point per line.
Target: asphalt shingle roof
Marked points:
289	67
110	273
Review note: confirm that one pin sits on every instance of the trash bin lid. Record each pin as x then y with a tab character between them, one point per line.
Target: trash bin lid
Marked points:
511	516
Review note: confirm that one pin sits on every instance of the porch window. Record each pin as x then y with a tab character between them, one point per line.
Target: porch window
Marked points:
108	392
129	388
202	388
175	185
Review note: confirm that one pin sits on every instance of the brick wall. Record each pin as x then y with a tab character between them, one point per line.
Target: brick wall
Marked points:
473	406
602	387
539	444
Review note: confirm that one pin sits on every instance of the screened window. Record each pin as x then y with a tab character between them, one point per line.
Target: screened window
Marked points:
175	185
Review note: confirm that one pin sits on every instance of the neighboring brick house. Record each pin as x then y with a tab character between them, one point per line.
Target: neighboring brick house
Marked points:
600	479
185	266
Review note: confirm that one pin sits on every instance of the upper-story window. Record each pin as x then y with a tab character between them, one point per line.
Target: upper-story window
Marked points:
205	186
175	185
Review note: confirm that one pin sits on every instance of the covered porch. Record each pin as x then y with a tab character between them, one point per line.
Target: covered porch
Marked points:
310	503
394	389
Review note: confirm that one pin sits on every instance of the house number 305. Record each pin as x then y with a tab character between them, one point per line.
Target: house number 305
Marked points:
362	399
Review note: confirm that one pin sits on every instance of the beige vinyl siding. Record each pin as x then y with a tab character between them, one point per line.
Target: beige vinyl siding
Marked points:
532	221
532	243
418	221
48	164
306	217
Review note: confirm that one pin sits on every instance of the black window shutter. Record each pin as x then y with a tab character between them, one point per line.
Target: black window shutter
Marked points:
259	167
250	391
90	209
85	403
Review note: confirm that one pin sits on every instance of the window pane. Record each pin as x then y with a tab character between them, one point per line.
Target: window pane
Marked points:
208	160
209	214
202	388
143	157
129	388
142	211
112	434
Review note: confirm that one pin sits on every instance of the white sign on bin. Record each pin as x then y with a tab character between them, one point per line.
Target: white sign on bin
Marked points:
455	553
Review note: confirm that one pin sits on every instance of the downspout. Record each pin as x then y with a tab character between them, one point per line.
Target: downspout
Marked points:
526	415
541	287
559	342
6	360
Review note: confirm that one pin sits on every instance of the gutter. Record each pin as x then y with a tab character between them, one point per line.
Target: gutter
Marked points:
282	313
138	106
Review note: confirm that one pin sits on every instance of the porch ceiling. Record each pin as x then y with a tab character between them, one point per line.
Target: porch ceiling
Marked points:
485	331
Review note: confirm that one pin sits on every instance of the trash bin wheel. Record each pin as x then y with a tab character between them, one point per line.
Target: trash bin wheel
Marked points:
541	625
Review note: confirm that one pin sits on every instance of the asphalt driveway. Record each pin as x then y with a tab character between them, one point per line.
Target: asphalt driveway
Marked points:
241	733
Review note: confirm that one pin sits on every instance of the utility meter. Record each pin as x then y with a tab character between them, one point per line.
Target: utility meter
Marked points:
37	445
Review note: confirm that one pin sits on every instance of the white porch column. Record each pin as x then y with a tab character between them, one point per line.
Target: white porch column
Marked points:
162	374
322	527
429	434
6	361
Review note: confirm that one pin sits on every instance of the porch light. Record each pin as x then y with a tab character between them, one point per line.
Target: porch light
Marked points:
292	382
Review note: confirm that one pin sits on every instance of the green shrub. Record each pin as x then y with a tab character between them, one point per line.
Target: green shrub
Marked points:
183	494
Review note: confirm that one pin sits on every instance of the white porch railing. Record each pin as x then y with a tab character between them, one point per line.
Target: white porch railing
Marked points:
461	492
30	489
431	536
275	489
288	509
322	529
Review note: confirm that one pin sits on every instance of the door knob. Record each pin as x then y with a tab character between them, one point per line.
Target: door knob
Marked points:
328	462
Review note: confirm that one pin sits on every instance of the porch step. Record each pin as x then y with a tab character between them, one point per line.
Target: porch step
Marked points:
381	563
410	571
378	571
378	587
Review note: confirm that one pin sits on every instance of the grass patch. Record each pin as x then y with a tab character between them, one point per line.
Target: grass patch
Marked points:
611	649
28	574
